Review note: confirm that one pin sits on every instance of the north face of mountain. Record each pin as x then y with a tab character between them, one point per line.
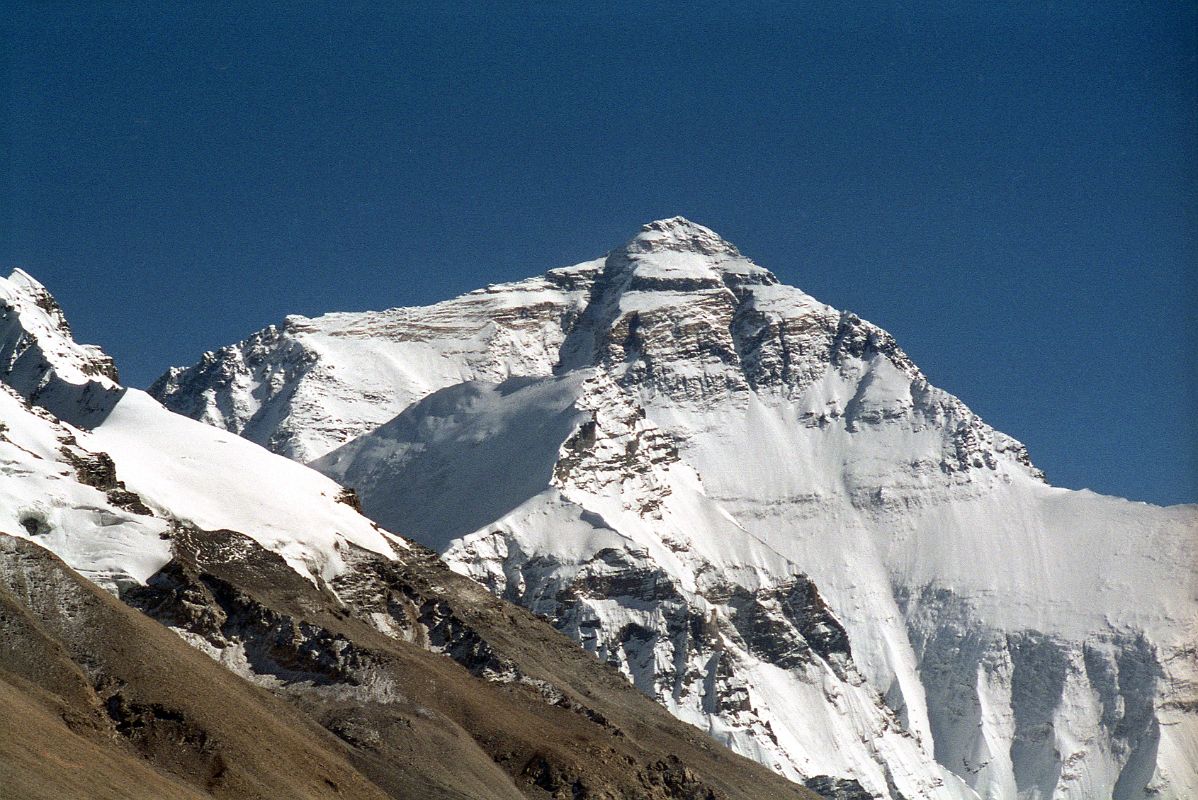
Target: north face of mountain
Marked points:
757	509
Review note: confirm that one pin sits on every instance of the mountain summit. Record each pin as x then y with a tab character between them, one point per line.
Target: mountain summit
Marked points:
759	511
681	235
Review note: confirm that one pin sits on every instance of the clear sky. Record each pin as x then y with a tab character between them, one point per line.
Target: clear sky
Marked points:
1011	189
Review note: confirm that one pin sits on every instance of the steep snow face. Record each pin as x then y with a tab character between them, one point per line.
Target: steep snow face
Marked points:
98	473
597	524
759	510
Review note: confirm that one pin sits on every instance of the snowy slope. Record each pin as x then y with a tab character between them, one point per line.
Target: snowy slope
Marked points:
758	509
42	498
184	471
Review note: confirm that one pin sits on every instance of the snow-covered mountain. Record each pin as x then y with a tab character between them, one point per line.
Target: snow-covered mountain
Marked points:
303	650
167	463
758	509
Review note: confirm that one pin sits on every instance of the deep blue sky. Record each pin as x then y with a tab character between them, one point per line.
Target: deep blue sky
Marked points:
1010	191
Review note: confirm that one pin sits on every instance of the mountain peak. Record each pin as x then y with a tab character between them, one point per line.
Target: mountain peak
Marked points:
36	341
679	234
676	253
21	284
